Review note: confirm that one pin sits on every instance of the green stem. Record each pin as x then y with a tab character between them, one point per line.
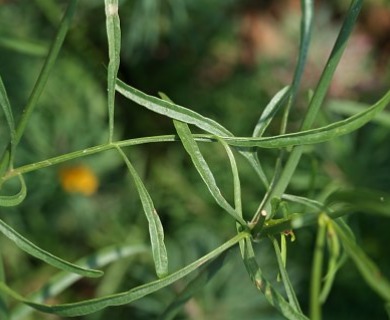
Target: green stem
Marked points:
45	72
3	301
316	275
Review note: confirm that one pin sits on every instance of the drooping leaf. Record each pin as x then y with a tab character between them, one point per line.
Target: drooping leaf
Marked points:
201	165
171	110
263	285
63	280
156	231
270	111
37	252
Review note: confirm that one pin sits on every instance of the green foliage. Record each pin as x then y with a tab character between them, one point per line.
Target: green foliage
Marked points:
246	176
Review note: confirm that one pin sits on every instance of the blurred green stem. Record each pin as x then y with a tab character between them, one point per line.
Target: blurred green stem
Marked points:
316	274
3	303
44	75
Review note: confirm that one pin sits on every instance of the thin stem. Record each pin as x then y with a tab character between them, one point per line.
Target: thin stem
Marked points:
96	149
45	72
316	274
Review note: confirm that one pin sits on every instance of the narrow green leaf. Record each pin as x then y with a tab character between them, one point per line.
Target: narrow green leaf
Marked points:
262	124
334	261
292	298
63	280
314	204
14	200
114	47
203	168
367	268
332	63
171	110
43	255
305	38
317	135
270	111
6	106
156	230
93	305
236	178
262	284
6	160
167	108
254	161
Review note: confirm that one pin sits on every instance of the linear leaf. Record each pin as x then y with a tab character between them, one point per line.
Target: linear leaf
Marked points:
156	230
269	111
63	280
6	106
305	38
236	178
367	268
114	47
201	165
332	63
43	255
262	284
317	135
286	279
171	110
167	108
233	165
14	200
93	305
335	261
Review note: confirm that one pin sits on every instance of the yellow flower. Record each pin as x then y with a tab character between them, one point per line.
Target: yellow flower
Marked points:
79	179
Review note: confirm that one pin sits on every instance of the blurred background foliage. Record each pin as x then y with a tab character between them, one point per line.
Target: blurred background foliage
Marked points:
224	59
